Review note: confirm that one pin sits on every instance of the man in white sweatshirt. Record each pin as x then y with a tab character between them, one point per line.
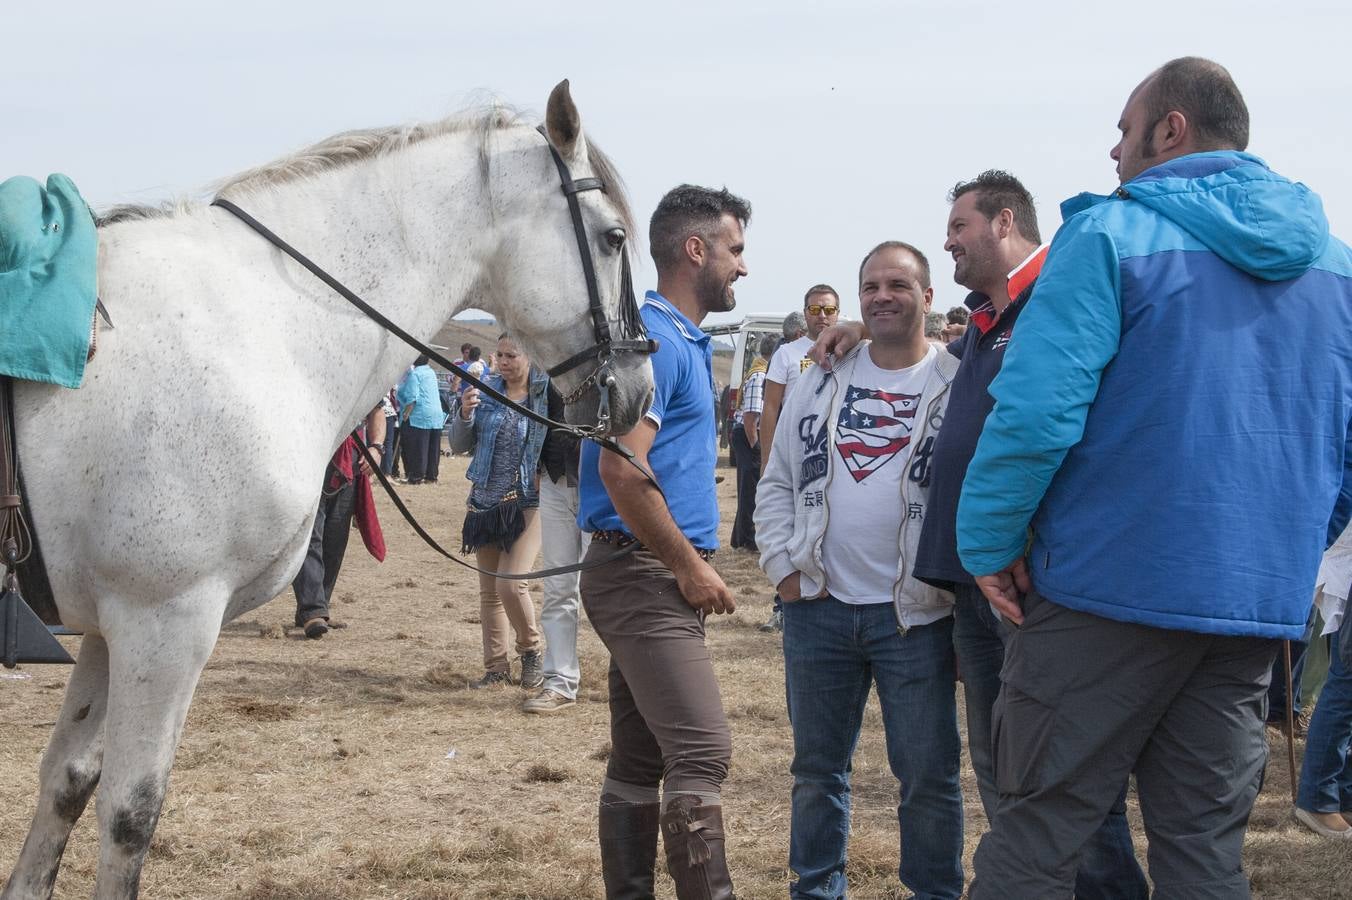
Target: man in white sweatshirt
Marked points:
838	518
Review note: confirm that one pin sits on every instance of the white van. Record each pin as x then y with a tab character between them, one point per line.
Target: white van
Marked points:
746	337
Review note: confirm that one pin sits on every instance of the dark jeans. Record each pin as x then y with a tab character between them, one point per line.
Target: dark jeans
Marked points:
1088	700
834	653
666	717
1108	868
318	574
1326	771
421	449
1277	690
387	451
748	477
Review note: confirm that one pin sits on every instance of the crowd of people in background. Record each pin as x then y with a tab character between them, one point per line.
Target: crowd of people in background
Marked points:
1084	521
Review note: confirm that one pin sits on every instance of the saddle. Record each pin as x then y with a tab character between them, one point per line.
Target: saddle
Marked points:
48	333
48	258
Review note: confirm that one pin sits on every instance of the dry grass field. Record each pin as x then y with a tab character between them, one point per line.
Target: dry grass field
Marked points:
360	765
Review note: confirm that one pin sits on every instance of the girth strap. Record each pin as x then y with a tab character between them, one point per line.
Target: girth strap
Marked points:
15	539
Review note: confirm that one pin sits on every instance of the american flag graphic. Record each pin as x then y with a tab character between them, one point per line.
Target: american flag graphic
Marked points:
873	427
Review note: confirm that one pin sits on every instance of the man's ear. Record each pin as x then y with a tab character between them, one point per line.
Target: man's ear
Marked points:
929	297
695	249
1004	223
1172	131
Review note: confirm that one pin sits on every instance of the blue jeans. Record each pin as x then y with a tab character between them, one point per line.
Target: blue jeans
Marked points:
1108	867
978	638
1326	772
833	653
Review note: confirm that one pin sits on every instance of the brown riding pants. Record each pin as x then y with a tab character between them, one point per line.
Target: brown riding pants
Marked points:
666	717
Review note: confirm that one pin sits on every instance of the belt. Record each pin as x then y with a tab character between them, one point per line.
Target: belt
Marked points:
621	539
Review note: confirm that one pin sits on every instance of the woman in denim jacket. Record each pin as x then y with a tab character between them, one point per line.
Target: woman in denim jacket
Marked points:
502	523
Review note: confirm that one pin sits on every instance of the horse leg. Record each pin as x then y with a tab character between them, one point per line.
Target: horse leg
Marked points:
155	659
67	775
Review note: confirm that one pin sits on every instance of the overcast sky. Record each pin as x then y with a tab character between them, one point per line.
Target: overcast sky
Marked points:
844	124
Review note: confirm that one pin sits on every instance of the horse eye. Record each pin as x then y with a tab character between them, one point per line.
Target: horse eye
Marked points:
615	238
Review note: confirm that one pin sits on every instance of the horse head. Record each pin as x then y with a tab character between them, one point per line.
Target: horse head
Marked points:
537	283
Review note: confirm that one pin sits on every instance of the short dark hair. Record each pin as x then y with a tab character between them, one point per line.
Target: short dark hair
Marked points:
819	289
474	354
1206	95
421	360
465	348
958	315
996	190
686	210
899	245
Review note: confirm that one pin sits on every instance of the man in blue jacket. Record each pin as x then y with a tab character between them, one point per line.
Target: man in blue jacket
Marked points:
1172	421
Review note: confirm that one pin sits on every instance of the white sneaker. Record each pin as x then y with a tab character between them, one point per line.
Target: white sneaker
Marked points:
1312	822
546	702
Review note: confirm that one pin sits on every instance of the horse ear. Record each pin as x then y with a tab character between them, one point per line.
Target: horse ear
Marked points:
562	121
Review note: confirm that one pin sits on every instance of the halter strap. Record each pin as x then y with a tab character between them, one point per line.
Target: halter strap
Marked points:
604	346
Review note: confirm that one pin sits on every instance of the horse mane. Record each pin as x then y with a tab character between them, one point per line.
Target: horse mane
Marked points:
137	212
354	146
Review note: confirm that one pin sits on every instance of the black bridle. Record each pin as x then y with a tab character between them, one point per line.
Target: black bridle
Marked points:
603	351
634	340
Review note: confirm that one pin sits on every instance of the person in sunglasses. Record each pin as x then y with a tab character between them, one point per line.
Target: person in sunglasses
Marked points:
821	308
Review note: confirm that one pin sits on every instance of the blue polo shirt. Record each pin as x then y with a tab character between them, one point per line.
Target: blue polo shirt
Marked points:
685	451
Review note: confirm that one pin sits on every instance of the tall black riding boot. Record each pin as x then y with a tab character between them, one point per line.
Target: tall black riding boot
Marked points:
692	834
628	833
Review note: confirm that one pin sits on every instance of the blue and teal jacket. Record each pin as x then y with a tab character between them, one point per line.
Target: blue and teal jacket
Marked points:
419	387
1172	417
482	431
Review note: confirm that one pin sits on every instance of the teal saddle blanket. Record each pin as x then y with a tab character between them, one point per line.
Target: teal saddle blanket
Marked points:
48	254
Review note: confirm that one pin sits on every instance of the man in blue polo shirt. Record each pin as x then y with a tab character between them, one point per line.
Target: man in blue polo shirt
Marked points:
666	717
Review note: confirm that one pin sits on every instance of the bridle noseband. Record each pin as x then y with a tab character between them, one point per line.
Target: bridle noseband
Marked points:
605	348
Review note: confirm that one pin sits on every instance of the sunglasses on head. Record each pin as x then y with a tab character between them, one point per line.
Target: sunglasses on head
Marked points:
817	310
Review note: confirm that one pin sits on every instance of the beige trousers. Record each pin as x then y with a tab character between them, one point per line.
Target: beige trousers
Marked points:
504	601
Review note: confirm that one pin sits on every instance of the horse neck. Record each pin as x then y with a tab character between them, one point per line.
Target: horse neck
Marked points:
399	230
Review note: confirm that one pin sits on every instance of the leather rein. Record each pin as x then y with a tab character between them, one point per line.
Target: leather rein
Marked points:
603	352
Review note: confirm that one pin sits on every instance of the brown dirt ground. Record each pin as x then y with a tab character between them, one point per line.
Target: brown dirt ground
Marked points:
321	769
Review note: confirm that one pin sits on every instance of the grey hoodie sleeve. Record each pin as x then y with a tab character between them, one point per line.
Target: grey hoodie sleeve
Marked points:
776	515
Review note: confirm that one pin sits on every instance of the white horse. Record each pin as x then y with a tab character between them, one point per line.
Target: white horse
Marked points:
176	489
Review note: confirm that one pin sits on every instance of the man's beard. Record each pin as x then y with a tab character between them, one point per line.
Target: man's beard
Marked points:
715	295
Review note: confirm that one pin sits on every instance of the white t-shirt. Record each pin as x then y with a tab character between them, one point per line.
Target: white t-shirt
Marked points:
789	362
869	460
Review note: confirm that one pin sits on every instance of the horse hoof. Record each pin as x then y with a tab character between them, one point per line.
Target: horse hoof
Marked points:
316	628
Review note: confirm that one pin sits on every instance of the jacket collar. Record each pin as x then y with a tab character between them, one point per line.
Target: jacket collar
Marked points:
1019	280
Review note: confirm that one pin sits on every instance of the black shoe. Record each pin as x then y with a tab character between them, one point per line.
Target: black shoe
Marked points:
532	675
491	679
